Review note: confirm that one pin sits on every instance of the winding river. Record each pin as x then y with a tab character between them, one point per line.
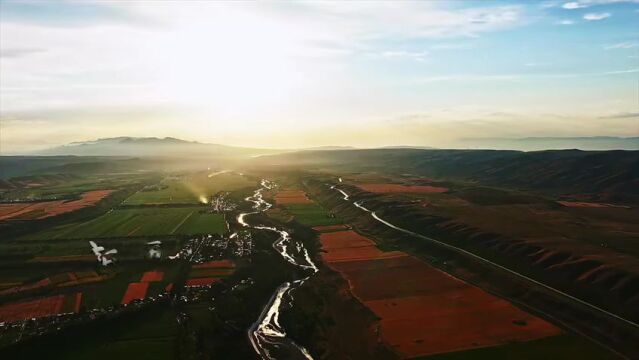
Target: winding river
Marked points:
267	335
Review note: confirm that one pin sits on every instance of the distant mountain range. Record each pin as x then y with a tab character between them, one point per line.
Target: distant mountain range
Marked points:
172	147
151	146
553	143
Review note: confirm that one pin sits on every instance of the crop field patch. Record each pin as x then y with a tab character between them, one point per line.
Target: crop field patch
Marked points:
210	272
45	209
349	245
397	188
151	276
201	222
135	291
201	281
26	287
170	192
312	215
40	307
190	189
330	228
130	222
422	310
285	197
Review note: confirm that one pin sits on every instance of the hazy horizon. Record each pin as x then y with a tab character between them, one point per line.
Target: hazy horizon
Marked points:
308	74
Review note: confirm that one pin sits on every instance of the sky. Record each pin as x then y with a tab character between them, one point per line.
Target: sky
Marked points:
303	74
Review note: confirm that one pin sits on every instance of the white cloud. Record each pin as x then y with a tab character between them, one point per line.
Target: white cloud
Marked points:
596	16
452	46
622	45
515	76
565	22
573	5
413	55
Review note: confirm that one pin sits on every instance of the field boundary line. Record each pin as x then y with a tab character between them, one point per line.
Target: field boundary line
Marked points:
181	222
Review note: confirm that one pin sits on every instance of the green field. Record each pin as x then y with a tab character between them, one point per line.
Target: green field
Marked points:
139	222
189	189
311	215
203	223
169	192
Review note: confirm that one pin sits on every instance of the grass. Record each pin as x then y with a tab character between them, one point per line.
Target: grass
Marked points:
202	223
311	215
189	189
138	222
168	192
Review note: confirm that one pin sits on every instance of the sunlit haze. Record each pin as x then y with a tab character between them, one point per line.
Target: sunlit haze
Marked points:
302	74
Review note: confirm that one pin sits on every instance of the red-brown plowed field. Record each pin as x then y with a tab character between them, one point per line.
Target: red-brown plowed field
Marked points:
291	197
151	276
38	308
71	303
45	209
397	188
329	228
201	281
215	264
423	310
26	287
82	277
135	291
349	245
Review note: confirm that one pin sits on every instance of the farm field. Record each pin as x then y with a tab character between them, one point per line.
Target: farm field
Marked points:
311	214
330	228
63	187
135	291
202	223
128	222
40	307
189	189
285	197
169	192
45	209
209	272
424	311
397	188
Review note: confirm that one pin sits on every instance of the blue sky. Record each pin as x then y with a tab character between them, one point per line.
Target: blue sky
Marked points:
289	74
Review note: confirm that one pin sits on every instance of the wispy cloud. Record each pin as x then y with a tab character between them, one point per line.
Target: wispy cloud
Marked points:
622	45
452	46
565	22
403	54
624	115
596	16
573	5
518	76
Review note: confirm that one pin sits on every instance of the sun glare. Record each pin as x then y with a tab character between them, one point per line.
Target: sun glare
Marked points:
226	64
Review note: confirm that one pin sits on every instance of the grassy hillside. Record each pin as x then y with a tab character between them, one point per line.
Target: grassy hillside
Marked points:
613	175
